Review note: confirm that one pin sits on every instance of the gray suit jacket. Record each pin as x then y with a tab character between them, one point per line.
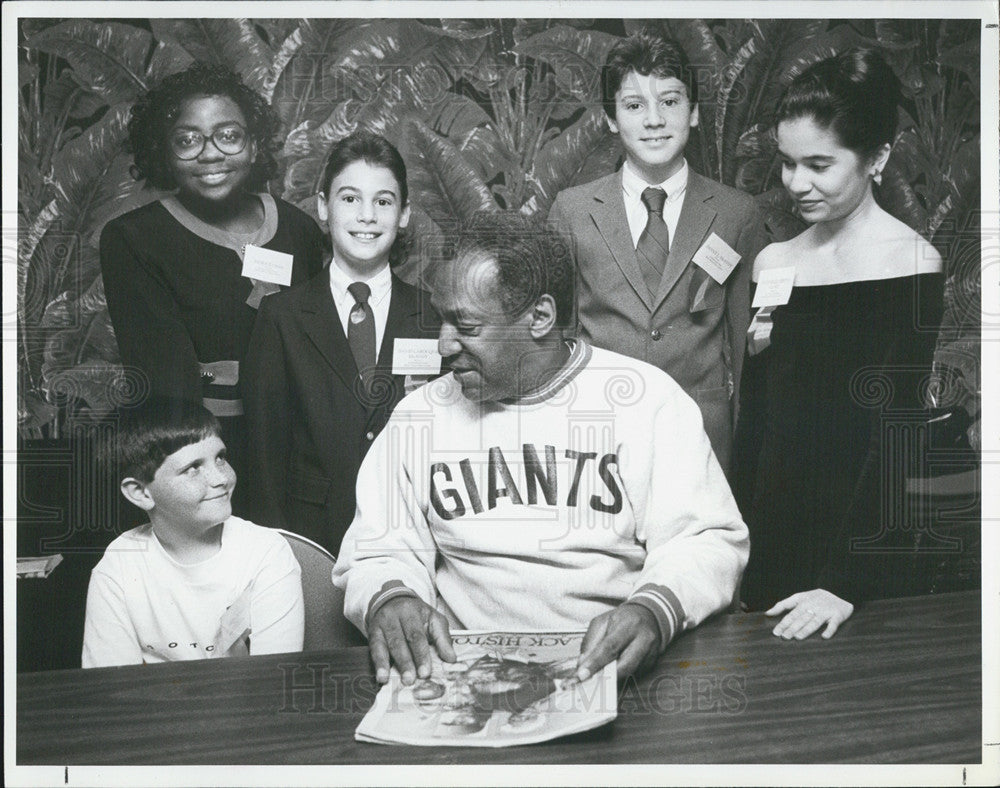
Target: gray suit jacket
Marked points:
702	350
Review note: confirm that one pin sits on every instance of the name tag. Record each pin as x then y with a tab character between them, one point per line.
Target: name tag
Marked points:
759	331
412	382
774	286
267	265
235	627
415	357
716	258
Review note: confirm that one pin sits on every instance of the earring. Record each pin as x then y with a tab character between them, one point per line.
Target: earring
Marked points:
877	177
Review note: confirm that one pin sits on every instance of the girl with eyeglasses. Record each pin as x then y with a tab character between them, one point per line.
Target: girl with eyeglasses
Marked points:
181	303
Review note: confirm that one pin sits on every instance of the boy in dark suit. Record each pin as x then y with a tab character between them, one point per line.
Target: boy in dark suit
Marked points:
663	254
323	369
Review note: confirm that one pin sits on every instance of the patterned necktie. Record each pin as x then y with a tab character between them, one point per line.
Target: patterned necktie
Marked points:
361	331
654	243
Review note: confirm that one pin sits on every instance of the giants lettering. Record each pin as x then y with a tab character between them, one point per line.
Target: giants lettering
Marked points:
452	494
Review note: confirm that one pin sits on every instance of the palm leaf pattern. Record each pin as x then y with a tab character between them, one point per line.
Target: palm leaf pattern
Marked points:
488	113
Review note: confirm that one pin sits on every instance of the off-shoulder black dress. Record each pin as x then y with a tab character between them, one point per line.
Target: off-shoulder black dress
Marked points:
830	425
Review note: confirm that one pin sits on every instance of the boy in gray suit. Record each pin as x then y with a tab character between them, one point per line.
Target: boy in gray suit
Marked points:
663	254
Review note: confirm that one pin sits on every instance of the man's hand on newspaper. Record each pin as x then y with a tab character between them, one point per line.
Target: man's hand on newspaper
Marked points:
628	633
400	631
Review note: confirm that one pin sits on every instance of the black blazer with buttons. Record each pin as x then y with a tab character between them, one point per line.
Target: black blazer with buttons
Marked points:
310	422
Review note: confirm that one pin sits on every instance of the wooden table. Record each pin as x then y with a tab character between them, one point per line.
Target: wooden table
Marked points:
900	683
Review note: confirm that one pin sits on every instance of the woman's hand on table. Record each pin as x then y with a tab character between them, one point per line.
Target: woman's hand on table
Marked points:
807	611
401	632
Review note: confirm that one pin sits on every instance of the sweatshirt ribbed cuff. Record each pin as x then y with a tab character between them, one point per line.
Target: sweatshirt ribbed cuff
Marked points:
391	590
665	607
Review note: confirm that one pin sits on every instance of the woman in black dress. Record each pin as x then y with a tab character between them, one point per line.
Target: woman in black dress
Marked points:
849	353
180	305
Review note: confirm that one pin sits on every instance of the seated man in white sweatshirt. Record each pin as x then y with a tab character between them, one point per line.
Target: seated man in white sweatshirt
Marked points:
542	484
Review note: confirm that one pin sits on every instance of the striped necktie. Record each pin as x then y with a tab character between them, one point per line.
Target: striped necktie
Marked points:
361	331
654	243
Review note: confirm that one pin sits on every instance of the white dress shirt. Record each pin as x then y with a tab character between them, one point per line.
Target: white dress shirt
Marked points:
633	185
380	285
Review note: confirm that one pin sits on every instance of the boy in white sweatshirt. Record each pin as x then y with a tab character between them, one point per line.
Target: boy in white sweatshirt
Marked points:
543	484
195	582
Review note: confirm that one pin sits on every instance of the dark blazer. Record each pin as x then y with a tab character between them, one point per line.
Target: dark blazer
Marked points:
310	422
177	299
703	351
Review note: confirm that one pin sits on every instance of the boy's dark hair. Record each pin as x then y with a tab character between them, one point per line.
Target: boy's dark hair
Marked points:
368	147
154	113
531	260
150	432
854	94
377	151
645	52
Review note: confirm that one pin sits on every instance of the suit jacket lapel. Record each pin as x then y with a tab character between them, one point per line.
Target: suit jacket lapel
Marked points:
696	217
608	213
403	305
322	325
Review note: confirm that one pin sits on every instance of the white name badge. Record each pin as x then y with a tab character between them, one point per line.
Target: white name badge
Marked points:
716	258
774	286
235	626
415	357
759	331
267	265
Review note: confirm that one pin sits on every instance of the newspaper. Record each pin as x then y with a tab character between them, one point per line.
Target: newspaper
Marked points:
506	688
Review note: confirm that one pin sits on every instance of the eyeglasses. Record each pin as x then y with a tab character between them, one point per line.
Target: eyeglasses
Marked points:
187	145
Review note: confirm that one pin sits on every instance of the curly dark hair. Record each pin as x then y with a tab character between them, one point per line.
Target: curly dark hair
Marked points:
531	260
154	113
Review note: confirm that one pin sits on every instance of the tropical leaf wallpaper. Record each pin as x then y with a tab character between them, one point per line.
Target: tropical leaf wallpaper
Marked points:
488	113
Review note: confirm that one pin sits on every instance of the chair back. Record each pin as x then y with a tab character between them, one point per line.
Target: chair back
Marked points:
326	627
